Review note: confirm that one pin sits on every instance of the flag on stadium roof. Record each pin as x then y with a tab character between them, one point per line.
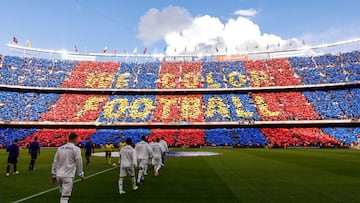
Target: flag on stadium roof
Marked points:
15	40
135	50
75	49
28	43
145	50
105	49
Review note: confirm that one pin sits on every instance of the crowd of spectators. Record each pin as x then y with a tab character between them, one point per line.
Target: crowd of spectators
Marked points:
260	106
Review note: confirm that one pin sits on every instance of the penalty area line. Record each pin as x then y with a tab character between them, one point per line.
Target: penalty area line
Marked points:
56	188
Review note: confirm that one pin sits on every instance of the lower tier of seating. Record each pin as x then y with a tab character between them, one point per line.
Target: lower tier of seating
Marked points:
238	137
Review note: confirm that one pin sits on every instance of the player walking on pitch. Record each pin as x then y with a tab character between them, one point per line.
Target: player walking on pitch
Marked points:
158	150
34	150
89	148
13	157
143	152
166	148
127	165
66	162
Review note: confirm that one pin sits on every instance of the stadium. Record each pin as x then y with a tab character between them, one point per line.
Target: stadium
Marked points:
284	124
278	101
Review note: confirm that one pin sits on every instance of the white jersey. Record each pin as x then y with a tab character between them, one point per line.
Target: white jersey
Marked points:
143	150
164	145
67	161
127	157
157	149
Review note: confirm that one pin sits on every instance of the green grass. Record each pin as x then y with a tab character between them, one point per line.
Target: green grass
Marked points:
237	175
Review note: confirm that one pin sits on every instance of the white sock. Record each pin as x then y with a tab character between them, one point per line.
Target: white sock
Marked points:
133	180
157	167
64	199
145	169
120	184
140	174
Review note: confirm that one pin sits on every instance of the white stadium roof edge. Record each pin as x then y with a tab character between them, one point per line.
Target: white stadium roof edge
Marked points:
259	54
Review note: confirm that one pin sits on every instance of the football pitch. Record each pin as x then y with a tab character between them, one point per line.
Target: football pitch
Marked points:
235	175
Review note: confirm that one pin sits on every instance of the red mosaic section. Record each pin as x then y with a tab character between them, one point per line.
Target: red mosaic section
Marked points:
282	105
76	107
179	108
179	137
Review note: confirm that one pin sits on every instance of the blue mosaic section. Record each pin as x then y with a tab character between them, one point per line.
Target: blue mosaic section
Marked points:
345	135
16	106
140	75
235	136
126	108
34	71
8	135
103	136
339	104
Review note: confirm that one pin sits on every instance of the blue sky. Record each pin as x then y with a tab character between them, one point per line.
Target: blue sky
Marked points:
179	25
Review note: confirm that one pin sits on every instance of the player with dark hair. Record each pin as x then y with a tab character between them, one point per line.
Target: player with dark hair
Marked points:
164	144
109	147
13	157
34	150
67	162
89	148
127	165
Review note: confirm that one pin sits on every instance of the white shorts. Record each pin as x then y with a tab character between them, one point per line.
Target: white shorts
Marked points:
156	161
127	170
65	185
142	163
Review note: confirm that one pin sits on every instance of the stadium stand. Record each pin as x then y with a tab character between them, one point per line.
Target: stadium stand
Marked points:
191	104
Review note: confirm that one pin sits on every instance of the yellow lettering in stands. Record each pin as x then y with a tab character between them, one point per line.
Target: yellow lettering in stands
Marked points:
190	108
122	80
236	79
259	101
92	104
191	80
100	80
210	81
135	108
167	106
115	108
167	81
259	78
216	106
239	108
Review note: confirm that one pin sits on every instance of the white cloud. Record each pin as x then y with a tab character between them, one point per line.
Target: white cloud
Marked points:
155	24
206	34
247	13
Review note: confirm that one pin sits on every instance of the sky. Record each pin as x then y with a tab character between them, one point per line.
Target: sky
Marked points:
176	26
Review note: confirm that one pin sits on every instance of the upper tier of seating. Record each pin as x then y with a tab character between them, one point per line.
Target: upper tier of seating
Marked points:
162	75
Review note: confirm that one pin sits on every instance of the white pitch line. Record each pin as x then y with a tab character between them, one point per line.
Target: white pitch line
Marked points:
52	189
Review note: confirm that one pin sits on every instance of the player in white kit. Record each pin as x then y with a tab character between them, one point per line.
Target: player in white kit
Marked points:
128	162
143	152
66	162
158	150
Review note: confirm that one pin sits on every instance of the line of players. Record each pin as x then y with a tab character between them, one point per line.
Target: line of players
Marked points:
134	156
